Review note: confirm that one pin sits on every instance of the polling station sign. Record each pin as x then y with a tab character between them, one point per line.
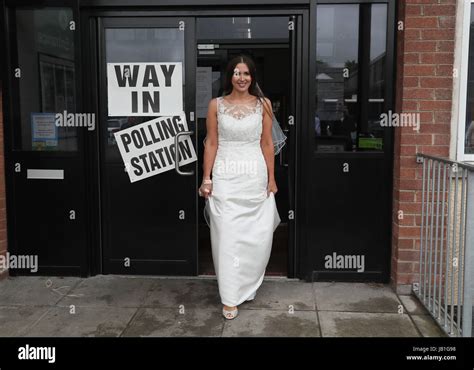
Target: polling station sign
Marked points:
144	89
149	148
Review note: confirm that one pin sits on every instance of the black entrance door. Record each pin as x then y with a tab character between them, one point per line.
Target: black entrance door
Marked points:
348	152
149	226
44	157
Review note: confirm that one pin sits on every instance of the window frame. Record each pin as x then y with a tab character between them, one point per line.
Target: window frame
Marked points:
463	76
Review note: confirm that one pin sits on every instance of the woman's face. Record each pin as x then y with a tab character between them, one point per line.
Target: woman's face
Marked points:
241	78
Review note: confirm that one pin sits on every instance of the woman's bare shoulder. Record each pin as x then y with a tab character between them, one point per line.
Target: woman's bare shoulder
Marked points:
212	106
268	105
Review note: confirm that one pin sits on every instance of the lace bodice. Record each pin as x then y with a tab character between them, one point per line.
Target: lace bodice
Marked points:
239	122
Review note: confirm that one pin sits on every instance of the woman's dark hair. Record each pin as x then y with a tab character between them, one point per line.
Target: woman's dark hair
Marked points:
254	89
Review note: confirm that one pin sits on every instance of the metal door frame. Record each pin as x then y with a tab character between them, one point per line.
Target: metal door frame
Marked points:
90	19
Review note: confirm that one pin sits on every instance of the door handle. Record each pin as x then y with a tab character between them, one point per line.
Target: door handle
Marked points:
176	153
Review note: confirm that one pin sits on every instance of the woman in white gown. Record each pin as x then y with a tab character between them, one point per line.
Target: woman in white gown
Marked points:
240	198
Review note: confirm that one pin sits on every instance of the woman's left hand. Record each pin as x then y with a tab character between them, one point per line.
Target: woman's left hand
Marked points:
272	187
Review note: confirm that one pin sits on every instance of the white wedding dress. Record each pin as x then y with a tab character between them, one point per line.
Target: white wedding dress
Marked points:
240	214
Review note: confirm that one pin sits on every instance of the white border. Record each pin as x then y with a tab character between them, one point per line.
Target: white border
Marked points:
463	16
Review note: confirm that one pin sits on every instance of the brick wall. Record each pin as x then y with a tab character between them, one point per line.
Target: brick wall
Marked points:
3	214
425	50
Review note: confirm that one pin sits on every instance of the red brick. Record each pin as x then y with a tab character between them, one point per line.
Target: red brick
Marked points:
421	22
411	58
406	243
420	139
406	196
410	93
436	128
411	207
444	70
435	105
421	1
419	70
420	46
438	9
443	94
408	173
411	82
438	34
440	151
442	117
413	10
408	255
410	106
412	34
445	46
405	267
436	82
404	279
412	184
408	150
441	139
407	220
437	58
408	161
447	21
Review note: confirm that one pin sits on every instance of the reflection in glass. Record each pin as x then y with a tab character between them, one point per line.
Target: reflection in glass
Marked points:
350	81
45	47
337	68
371	135
469	127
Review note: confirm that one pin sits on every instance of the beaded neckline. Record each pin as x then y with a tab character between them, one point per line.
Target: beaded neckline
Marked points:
239	110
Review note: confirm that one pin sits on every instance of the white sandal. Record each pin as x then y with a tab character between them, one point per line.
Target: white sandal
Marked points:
229	315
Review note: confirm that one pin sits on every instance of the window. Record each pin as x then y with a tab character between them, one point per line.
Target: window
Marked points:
351	47
465	147
45	85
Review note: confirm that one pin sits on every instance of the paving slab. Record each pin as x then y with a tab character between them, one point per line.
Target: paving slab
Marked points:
85	322
362	324
15	320
284	295
272	323
35	290
112	305
166	322
109	291
355	297
190	293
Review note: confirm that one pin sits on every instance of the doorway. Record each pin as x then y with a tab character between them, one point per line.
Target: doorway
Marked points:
156	226
268	41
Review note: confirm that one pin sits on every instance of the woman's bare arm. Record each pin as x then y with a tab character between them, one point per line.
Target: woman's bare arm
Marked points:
211	139
266	143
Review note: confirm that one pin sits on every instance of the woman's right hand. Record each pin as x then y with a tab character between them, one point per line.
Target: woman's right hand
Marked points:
205	190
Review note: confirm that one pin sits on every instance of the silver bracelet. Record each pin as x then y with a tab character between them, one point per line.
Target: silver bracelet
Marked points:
205	181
